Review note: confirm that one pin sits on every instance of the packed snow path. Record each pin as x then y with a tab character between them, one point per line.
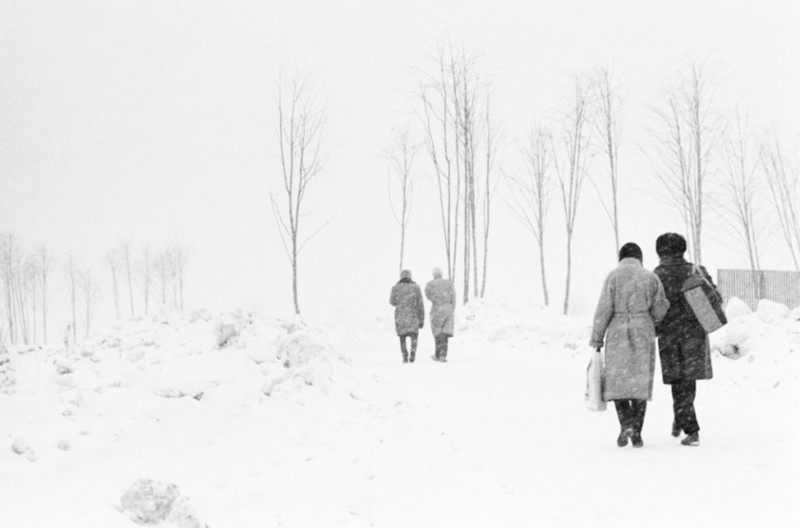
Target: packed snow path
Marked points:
498	436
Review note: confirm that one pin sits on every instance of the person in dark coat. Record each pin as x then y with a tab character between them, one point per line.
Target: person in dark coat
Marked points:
682	342
442	295
631	303
409	313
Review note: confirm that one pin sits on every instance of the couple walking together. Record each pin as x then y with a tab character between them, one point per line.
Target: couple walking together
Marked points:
635	307
409	313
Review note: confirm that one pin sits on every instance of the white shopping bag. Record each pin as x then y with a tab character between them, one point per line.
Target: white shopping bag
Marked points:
595	383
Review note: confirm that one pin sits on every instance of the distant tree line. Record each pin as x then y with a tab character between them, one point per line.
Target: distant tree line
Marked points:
139	280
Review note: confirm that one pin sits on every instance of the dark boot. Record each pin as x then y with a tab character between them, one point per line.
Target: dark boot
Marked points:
691	440
438	354
624	435
403	348
636	440
413	348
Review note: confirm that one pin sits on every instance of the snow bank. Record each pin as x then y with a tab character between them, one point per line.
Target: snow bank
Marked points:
150	502
766	343
523	326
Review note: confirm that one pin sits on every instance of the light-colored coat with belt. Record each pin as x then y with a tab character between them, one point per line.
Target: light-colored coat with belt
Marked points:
630	305
442	295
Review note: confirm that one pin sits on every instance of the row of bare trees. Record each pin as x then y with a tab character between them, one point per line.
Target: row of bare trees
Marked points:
704	163
694	153
461	139
27	286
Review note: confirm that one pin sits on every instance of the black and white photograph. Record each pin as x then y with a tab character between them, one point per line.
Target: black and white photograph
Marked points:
395	264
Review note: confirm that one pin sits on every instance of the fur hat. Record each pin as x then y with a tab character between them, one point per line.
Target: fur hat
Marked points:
630	249
437	273
670	244
405	274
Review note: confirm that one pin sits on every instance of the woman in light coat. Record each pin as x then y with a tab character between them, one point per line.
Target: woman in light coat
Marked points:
442	295
631	304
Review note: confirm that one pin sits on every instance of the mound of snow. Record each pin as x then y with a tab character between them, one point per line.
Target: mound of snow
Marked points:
149	501
767	342
522	325
771	312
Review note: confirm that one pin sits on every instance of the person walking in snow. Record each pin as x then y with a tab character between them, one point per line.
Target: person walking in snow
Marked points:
442	295
409	313
631	303
682	342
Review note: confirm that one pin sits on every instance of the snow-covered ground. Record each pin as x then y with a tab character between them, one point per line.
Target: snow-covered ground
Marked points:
188	420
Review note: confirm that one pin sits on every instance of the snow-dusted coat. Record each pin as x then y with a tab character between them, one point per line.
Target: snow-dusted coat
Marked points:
409	311
630	305
683	346
442	295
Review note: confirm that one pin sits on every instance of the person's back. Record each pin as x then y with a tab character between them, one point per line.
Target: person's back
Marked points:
440	291
442	295
635	289
409	312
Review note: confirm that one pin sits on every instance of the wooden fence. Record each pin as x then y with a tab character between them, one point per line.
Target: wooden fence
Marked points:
751	286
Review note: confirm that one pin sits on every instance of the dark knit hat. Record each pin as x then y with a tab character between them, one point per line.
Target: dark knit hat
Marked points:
670	244
630	250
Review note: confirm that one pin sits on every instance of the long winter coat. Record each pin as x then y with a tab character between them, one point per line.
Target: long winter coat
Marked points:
409	311
682	343
442	295
630	305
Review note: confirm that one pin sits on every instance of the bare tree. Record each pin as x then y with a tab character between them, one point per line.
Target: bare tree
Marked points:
146	273
687	133
401	158
740	179
126	256
9	268
608	130
532	191
782	179
161	263
572	169
441	142
113	261
301	121
490	154
29	286
70	267
45	263
90	288
452	120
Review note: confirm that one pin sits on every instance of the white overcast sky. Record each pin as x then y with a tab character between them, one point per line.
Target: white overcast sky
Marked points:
155	121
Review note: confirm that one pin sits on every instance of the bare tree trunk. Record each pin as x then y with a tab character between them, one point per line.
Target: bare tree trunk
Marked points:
181	256
741	183
44	268
609	133
300	131
112	258
782	179
532	191
401	158
72	282
491	151
127	261
9	266
89	289
147	276
574	171
685	136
